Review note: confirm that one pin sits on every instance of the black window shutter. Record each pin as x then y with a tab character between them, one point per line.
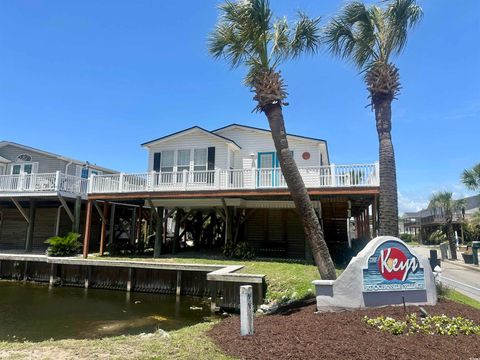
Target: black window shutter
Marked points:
211	158
156	161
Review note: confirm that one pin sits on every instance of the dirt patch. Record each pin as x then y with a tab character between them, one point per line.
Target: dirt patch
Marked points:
302	334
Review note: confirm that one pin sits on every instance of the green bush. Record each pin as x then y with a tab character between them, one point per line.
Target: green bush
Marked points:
64	245
430	325
437	237
406	237
238	251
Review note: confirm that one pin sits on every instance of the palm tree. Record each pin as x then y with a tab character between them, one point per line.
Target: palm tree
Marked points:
444	202
246	34
369	37
471	178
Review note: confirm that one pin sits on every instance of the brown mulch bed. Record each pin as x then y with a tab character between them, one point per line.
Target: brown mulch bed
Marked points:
301	334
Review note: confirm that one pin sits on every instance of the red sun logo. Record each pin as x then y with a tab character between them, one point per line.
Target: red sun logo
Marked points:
393	264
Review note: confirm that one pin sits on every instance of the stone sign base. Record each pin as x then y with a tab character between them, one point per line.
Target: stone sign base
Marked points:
385	272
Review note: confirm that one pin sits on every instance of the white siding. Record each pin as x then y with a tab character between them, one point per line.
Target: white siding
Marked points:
192	140
252	141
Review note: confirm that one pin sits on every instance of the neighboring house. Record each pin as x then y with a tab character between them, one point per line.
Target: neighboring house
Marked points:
424	222
234	172
38	191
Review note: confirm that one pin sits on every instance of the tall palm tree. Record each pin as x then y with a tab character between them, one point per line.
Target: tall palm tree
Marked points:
471	178
443	201
246	34
369	36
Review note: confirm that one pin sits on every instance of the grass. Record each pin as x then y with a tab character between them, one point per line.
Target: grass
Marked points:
462	299
188	343
286	280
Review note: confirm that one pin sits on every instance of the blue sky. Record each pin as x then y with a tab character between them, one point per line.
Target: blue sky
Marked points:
93	80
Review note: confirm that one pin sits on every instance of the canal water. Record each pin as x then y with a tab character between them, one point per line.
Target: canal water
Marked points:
30	312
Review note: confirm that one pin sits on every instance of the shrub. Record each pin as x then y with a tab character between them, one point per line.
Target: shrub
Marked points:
442	290
238	251
406	237
437	237
430	325
64	245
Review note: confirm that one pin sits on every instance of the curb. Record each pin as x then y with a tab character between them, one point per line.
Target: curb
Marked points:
471	267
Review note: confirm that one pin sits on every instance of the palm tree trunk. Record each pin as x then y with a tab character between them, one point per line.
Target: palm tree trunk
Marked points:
388	202
308	217
451	238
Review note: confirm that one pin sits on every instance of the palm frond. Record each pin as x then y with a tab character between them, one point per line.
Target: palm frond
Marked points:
471	178
306	37
365	35
402	15
246	35
281	37
351	34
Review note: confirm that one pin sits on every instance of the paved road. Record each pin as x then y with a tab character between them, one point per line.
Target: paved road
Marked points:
466	281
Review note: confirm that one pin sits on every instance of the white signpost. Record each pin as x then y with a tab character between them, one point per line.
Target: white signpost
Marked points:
246	310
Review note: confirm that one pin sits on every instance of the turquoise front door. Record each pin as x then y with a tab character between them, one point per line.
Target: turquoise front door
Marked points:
267	165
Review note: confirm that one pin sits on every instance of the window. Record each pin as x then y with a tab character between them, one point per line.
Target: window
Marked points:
27	168
166	163
200	160
24	157
183	160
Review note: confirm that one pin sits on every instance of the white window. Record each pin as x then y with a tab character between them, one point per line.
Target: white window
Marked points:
200	160
27	168
183	160
166	161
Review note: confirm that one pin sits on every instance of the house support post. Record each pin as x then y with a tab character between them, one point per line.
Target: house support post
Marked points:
133	226
157	249
76	214
178	218
374	216
88	224
111	233
31	226
103	232
139	223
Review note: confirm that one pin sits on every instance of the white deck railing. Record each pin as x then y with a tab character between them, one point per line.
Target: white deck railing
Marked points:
362	175
43	183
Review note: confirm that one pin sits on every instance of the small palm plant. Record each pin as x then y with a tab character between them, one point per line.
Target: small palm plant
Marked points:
246	34
369	37
64	245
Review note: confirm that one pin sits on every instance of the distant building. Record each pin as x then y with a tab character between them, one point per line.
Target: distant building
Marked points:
424	222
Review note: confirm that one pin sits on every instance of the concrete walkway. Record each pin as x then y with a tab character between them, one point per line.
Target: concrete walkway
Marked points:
464	279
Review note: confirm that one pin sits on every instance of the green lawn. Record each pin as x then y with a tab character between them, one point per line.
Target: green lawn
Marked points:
462	299
188	343
285	280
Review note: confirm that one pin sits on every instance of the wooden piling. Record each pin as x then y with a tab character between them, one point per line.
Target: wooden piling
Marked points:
178	217
157	249
104	228
31	226
76	214
88	224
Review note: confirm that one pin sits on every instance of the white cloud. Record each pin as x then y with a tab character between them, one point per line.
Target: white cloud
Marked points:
409	203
